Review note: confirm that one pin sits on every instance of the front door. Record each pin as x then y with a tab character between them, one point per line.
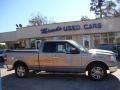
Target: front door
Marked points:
64	59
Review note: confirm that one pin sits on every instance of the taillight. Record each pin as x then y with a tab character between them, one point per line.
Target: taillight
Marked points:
5	58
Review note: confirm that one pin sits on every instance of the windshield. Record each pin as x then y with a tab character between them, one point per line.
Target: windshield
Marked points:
78	46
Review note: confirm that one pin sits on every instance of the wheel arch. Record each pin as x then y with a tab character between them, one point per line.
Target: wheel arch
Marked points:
95	63
18	63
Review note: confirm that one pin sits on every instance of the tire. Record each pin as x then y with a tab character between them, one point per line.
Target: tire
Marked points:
21	70
97	72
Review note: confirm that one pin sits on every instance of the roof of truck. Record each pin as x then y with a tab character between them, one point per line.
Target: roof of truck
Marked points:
56	40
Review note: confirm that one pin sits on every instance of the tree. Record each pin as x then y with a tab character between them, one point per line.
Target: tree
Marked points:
109	8
118	1
38	20
102	8
96	6
117	13
84	18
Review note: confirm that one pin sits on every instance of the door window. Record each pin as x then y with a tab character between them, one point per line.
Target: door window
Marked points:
60	47
54	47
49	47
57	47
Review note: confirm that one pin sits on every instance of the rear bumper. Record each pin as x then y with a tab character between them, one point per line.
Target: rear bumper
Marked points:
113	69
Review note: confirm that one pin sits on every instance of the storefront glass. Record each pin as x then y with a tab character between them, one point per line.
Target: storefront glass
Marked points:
96	39
106	38
118	37
68	37
111	37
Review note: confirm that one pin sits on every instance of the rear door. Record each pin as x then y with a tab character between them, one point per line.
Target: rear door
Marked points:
46	57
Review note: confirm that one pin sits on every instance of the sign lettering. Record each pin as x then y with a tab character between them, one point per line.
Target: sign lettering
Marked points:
71	28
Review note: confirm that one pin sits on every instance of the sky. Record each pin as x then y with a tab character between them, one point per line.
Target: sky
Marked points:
14	12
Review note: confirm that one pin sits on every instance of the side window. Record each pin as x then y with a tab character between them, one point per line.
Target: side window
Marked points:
60	47
69	47
57	47
64	47
49	47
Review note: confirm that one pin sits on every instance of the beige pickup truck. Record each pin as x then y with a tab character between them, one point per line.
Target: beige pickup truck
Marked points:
62	56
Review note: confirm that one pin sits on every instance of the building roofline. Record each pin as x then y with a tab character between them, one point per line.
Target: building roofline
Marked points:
7	32
73	21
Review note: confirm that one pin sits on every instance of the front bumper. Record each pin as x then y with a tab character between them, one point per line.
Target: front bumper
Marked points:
113	69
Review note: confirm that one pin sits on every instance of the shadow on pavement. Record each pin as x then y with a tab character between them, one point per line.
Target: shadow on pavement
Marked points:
46	81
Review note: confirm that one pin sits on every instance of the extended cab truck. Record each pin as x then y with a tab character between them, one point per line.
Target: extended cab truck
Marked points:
62	56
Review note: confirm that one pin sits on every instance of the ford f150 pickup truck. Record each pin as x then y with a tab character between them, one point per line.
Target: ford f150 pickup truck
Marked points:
62	56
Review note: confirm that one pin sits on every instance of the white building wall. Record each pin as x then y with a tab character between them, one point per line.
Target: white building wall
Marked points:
8	36
108	25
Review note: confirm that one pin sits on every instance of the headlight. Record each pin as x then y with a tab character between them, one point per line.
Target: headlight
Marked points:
112	58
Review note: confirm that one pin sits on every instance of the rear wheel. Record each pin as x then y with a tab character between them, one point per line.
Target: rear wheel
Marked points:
21	70
97	72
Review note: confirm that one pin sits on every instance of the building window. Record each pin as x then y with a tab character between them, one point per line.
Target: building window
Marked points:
59	38
118	37
112	40
107	38
104	35
104	40
68	37
111	34
111	37
96	39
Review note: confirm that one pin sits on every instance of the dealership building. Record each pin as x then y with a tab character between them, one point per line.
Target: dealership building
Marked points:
88	33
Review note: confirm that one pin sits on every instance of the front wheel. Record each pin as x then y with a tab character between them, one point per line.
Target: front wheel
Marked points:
21	70
97	72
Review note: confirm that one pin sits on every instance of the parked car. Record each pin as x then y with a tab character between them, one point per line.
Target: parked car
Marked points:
61	56
112	47
2	55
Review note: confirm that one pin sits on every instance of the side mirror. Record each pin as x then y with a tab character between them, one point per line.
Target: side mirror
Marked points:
74	51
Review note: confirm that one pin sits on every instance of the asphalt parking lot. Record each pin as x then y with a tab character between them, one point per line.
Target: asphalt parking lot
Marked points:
46	81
